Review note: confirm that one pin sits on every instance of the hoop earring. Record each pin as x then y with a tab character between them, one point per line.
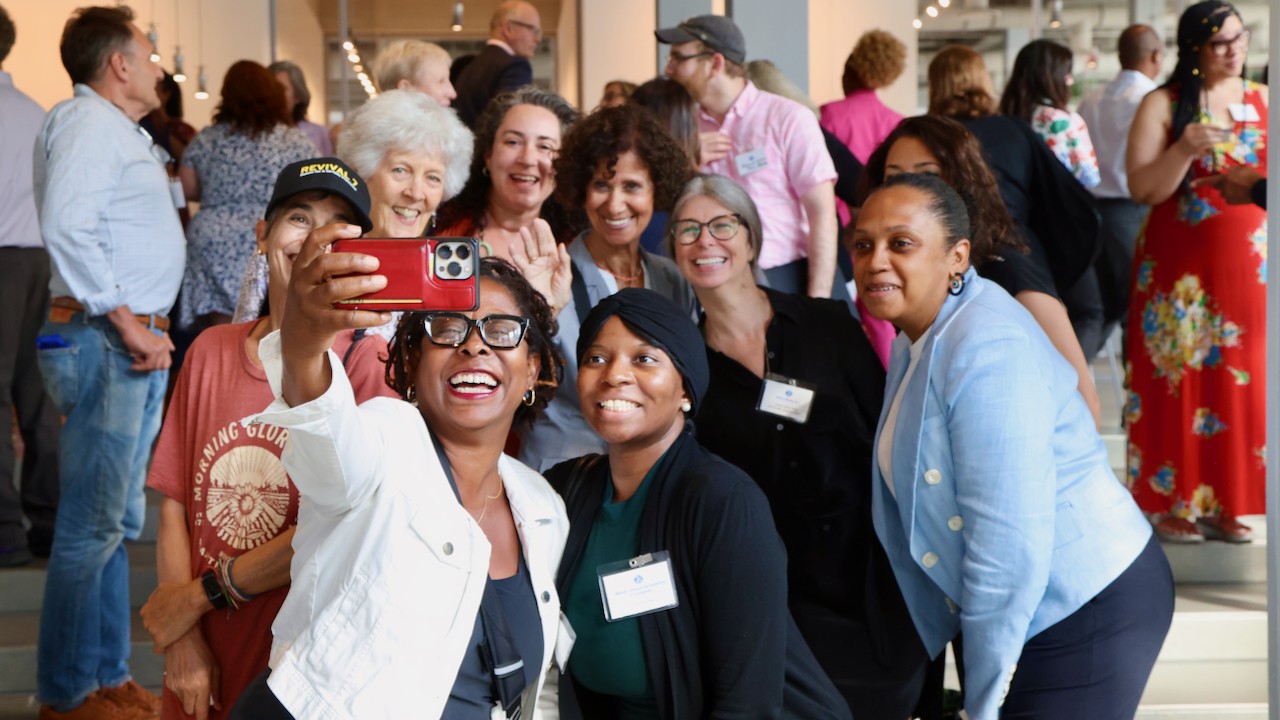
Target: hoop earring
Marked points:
411	393
957	284
530	397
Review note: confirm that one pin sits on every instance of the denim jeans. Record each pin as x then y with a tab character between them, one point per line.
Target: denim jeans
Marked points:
113	416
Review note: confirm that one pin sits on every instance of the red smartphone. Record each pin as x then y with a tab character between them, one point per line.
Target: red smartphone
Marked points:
422	273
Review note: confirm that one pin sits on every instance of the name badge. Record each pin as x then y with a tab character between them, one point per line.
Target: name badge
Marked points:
1243	112
787	398
638	586
179	197
751	161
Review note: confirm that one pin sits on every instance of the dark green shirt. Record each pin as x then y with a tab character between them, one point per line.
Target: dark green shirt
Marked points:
608	657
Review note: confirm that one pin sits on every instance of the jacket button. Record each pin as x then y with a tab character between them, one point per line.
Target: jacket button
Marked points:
447	548
933	477
956	523
929	560
546	596
779	427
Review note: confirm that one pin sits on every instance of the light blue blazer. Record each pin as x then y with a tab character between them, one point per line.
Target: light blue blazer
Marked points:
1007	517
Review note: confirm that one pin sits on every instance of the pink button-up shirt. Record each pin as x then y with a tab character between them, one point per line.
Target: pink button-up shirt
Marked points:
860	121
778	155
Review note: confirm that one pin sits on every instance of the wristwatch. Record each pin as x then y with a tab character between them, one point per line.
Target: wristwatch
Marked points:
213	590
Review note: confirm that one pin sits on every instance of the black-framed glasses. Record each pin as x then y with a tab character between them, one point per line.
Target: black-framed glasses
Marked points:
537	31
676	58
1239	42
723	227
451	329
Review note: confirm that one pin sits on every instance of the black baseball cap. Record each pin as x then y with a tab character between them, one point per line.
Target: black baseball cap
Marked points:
715	31
328	174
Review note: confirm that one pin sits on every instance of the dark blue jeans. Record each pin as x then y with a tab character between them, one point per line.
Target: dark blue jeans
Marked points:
1095	663
113	417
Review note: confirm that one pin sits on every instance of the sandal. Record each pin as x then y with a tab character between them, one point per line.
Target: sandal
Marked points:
1173	529
1226	529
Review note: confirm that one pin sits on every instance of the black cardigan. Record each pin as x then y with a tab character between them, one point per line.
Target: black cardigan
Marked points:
730	649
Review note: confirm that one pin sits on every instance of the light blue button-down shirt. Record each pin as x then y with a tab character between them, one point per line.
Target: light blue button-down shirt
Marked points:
106	212
20	120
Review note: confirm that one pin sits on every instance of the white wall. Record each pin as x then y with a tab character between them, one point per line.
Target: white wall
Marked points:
300	39
232	30
617	44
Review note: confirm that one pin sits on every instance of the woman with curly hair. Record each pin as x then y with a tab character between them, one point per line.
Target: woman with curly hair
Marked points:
944	147
517	138
617	165
861	121
230	168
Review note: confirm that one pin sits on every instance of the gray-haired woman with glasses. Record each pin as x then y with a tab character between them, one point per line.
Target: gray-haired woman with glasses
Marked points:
795	394
425	558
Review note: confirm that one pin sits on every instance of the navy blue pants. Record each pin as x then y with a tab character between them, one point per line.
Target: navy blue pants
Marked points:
1095	663
257	702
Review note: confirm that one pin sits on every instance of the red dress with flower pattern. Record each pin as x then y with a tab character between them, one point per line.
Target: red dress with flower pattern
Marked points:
1196	343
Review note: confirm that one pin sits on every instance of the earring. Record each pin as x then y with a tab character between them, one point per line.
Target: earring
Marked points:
686	406
485	171
411	393
957	284
530	396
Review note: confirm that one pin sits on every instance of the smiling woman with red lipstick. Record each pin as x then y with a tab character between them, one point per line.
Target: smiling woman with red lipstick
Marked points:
415	531
812	457
673	577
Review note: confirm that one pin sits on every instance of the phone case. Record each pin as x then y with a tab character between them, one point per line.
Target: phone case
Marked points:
422	273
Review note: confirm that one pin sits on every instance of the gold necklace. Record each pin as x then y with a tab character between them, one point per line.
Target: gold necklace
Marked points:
485	508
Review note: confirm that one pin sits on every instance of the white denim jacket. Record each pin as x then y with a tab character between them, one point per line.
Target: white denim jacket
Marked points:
389	569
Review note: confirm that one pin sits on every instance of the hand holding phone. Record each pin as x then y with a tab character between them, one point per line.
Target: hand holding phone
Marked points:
422	273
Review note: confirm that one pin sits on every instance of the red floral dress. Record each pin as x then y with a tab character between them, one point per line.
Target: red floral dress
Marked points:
1196	344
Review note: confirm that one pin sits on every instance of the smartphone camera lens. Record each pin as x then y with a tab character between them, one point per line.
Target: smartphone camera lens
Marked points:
444	252
453	269
462	252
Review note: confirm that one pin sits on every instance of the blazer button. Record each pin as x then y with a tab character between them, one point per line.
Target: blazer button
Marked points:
447	548
546	596
956	523
933	477
929	560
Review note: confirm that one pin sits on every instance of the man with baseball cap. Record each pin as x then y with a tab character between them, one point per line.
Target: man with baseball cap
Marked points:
770	145
229	508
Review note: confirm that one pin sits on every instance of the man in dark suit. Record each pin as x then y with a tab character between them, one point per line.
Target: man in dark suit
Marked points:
514	33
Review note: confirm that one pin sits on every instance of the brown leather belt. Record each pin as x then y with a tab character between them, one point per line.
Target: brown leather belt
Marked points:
63	308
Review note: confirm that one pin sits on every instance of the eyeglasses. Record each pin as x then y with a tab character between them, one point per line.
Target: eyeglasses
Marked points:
537	31
724	227
676	58
1239	42
450	329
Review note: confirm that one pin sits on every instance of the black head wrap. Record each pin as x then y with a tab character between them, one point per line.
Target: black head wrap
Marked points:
661	323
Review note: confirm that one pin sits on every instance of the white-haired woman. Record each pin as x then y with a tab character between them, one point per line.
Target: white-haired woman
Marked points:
415	65
413	152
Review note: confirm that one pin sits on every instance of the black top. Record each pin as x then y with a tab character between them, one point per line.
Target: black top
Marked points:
817	477
730	649
848	169
490	73
1259	193
1058	216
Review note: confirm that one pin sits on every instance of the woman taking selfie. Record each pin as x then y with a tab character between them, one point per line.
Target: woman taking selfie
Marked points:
992	493
710	635
423	579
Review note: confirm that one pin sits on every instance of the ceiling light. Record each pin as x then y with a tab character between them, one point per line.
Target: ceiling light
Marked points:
457	17
1055	17
931	11
179	73
353	57
944	3
348	45
202	89
917	24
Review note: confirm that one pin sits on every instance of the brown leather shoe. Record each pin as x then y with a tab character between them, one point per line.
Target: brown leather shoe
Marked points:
97	707
131	694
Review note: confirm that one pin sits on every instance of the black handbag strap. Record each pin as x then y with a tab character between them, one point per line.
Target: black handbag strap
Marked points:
581	301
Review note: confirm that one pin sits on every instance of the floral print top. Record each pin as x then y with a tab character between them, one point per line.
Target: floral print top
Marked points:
1068	138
